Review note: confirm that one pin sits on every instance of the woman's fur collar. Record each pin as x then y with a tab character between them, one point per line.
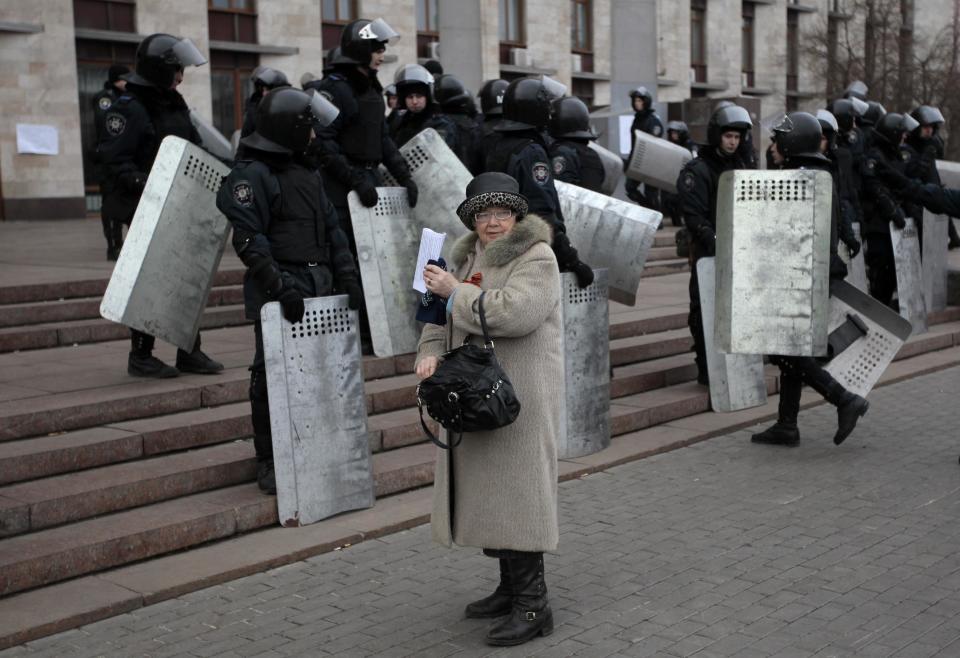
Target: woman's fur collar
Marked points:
526	233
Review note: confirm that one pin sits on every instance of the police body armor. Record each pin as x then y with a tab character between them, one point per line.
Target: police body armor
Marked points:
296	232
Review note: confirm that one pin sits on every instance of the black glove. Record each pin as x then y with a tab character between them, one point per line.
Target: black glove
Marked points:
413	192
367	192
898	219
291	301
583	272
351	286
708	243
853	246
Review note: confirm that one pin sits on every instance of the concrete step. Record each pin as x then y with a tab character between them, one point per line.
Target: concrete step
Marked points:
662	267
87	308
76	332
50	292
661	253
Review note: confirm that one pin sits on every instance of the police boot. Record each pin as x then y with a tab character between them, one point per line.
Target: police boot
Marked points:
197	362
497	604
848	413
142	363
530	614
266	478
785	431
952	231
850	407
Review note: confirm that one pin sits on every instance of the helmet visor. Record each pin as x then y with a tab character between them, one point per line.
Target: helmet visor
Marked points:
783	125
553	88
909	124
414	73
269	77
321	110
857	89
737	118
827	120
859	106
380	30
188	54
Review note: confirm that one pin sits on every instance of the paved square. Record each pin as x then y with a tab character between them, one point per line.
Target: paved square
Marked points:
721	549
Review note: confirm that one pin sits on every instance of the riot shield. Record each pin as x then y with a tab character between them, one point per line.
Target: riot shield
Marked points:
612	167
860	365
213	140
856	266
736	380
656	161
586	354
318	415
949	173
773	261
162	279
609	233
906	257
935	238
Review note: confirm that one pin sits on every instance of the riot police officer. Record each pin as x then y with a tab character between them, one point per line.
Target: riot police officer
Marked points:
870	118
264	79
456	101
112	89
415	89
149	110
857	89
697	188
572	159
395	109
286	232
882	205
841	167
521	152
850	149
797	145
677	133
926	146
645	119
491	107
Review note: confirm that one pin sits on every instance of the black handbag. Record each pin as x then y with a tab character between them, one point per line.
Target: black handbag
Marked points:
469	391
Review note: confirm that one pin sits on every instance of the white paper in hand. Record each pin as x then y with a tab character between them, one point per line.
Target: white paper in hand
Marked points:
431	243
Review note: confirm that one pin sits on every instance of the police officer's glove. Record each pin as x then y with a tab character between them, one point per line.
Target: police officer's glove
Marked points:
351	286
413	192
367	192
583	272
853	246
291	302
898	219
708	242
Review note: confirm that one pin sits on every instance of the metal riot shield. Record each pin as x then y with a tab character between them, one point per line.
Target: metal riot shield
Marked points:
162	279
935	238
773	261
612	167
213	140
949	173
586	353
318	415
860	365
906	257
656	161
736	380
856	266
609	233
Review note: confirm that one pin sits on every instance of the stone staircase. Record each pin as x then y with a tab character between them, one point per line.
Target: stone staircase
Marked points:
99	471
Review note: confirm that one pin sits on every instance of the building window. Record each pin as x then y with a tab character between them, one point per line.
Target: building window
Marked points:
581	34
747	53
583	89
334	15
116	15
231	87
698	40
232	20
427	30
793	58
512	34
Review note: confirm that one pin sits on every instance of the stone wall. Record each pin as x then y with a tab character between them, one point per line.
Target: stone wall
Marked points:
296	24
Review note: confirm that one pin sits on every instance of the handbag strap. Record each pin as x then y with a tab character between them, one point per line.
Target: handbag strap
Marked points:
487	341
433	439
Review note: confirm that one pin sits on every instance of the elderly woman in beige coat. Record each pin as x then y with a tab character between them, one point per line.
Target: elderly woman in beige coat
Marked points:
497	490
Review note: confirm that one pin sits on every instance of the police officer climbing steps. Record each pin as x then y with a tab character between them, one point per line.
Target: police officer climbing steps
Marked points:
149	110
645	119
286	232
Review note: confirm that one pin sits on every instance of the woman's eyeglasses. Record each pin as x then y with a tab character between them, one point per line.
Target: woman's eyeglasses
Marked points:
499	215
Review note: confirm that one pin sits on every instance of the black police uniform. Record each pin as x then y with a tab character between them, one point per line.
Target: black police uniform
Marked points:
923	166
282	218
649	122
881	207
469	137
411	124
697	187
112	227
670	201
841	167
575	162
102	103
523	155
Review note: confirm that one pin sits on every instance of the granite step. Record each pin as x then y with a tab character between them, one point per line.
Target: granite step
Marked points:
663	267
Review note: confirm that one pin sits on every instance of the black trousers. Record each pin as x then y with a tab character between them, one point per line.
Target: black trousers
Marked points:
881	269
695	318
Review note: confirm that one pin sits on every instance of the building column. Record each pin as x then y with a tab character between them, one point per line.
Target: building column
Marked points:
633	59
469	40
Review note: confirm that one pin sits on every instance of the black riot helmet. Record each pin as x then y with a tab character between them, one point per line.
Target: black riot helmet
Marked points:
451	94
526	103
264	77
874	113
644	93
927	115
847	111
727	116
679	127
829	127
160	56
893	126
413	78
570	118
361	38
491	97
285	118
856	89
798	136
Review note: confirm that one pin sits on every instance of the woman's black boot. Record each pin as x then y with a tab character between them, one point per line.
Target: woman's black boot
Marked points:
497	604
530	614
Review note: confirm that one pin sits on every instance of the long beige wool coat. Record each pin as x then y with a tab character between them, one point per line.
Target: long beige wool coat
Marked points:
505	481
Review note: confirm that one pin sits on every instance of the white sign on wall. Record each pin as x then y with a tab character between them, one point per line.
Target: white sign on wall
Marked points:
38	139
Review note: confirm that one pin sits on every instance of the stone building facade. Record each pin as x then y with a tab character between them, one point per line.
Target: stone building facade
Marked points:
56	53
